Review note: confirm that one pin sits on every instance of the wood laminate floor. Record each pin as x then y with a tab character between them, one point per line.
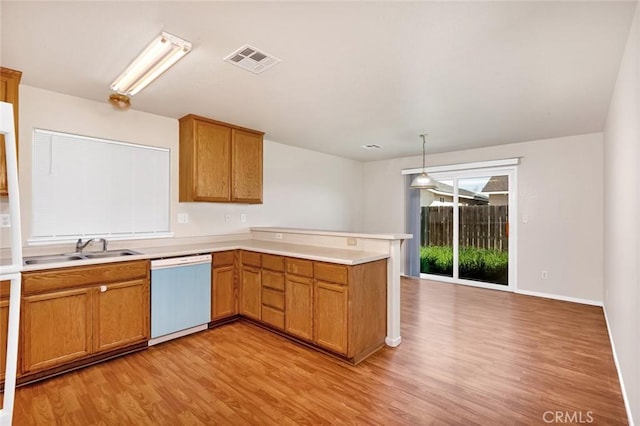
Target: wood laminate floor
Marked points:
468	356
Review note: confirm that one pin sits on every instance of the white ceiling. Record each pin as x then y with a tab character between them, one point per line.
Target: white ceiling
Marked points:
352	73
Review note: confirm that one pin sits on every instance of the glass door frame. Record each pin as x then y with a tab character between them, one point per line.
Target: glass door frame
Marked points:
455	176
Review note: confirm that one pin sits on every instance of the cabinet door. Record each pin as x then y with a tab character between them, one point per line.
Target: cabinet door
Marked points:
250	289
246	167
223	293
205	161
120	315
9	81
299	307
331	306
4	323
55	328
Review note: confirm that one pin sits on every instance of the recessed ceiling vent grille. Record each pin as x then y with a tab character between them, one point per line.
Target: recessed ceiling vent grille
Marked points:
252	59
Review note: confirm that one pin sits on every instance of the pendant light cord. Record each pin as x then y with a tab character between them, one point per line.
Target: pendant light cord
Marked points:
424	142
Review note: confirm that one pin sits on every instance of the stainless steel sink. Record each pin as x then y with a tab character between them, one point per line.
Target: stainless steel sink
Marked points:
69	257
109	253
56	258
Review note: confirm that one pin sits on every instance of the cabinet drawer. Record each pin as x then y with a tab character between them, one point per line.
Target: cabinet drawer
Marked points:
273	298
223	258
300	267
332	272
251	258
82	276
275	263
273	317
273	280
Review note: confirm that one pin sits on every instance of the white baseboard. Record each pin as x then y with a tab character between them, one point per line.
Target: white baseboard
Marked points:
615	359
559	297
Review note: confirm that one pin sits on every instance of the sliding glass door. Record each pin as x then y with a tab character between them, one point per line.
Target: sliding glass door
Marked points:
465	234
436	230
483	229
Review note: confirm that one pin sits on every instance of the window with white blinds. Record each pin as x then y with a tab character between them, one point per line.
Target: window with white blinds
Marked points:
89	187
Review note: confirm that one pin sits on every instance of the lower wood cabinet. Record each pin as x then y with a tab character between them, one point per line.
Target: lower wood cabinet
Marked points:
56	328
272	316
299	306
223	282
250	292
77	313
273	291
251	284
340	308
4	323
330	316
75	316
120	315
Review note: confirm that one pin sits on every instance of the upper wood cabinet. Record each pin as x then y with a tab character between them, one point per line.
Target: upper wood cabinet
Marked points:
219	162
9	82
246	167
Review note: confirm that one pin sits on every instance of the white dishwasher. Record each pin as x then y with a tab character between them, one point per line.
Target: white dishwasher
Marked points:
180	296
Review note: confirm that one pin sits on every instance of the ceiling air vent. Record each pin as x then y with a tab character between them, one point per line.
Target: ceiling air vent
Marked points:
252	59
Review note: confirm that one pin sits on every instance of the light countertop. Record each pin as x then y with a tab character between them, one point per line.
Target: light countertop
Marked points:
385	236
322	254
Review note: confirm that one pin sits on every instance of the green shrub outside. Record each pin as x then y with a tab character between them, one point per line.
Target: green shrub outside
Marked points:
475	263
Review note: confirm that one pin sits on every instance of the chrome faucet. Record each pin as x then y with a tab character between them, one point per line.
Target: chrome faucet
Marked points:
81	246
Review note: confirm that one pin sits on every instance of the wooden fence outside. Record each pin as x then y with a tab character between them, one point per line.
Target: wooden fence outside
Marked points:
480	226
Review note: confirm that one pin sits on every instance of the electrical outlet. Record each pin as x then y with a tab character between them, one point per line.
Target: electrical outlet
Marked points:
544	275
227	217
278	236
525	218
5	220
352	242
183	218
243	217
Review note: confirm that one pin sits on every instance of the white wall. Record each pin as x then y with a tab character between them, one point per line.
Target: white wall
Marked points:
622	217
302	188
559	189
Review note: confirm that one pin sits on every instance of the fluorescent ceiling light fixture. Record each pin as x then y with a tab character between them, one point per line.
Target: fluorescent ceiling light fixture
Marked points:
164	51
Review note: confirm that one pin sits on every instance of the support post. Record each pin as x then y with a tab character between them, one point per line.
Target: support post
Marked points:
393	338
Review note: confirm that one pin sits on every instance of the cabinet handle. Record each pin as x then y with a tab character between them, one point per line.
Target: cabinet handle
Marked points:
103	288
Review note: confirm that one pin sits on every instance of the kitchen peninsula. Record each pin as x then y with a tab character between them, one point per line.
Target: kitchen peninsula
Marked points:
340	289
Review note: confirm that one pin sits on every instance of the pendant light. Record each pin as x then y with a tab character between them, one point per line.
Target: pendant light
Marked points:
423	180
